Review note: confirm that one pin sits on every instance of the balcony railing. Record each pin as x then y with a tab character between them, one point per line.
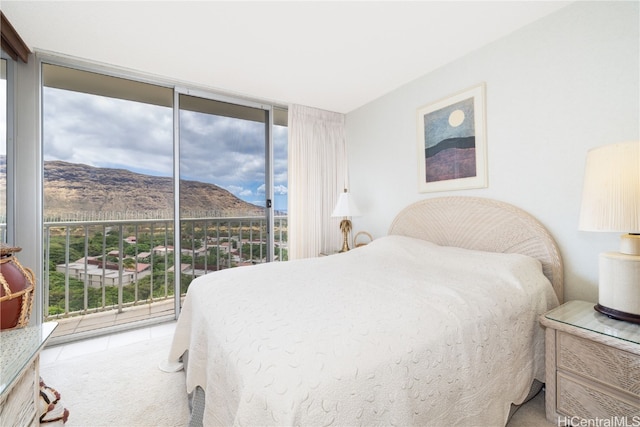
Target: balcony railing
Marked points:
96	267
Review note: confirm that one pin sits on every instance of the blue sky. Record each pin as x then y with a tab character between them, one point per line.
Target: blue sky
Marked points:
106	132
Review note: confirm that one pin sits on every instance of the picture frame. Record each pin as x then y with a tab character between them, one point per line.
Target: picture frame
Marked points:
452	144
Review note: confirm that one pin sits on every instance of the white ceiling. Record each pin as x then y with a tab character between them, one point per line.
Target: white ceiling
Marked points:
332	55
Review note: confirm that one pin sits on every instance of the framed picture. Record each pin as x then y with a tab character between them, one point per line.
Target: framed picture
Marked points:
452	145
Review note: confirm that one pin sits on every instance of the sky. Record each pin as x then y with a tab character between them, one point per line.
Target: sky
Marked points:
114	133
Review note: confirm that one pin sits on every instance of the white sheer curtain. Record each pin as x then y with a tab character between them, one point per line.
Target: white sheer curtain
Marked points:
317	174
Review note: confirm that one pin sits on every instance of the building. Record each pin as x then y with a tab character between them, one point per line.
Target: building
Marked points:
98	275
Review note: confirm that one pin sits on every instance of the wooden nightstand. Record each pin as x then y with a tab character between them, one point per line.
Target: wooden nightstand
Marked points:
592	366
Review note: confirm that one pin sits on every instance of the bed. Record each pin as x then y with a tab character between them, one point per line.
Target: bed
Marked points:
433	324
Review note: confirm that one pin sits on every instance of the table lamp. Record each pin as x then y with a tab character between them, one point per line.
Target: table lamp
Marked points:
611	203
345	208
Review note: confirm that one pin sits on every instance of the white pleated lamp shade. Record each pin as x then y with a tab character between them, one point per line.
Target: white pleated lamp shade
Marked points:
611	193
345	206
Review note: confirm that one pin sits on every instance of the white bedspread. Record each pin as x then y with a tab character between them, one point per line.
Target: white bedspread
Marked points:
398	332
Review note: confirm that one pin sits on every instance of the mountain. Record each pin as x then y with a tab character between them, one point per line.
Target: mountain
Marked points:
74	190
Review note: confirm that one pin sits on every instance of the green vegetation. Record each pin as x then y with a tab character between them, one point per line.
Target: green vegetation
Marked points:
153	283
95	297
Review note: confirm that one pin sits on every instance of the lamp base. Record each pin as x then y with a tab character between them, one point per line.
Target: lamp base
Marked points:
345	227
617	314
619	286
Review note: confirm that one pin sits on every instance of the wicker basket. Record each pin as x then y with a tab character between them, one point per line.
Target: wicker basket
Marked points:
357	244
17	285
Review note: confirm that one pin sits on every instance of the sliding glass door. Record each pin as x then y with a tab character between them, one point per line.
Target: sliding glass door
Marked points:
223	171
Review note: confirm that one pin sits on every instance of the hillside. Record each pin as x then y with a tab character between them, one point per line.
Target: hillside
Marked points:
74	190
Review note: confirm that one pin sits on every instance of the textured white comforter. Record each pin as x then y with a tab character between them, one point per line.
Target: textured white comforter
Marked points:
398	332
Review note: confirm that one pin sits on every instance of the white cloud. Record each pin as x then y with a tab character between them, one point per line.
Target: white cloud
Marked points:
277	189
234	189
280	189
107	132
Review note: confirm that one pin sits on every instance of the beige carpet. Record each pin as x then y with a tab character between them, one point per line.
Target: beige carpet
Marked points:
124	387
531	414
121	387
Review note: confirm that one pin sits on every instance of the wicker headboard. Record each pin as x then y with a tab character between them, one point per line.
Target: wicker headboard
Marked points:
482	224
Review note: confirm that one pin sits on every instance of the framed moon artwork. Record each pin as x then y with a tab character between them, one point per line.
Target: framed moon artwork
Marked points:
452	145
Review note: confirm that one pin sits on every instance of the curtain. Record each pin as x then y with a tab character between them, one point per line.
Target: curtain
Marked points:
317	174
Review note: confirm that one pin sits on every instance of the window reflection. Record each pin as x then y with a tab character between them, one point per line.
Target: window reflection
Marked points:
3	151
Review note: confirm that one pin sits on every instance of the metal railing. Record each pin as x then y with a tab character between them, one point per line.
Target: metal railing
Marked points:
104	265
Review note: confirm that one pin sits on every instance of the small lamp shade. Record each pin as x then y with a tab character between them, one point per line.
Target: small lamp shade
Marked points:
611	193
345	206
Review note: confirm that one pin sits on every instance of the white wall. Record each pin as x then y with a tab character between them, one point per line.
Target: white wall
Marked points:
554	89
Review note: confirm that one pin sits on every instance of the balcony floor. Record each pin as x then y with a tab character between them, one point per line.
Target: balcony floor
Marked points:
83	326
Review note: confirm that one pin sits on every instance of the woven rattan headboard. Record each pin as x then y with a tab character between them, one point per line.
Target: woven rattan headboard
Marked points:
482	224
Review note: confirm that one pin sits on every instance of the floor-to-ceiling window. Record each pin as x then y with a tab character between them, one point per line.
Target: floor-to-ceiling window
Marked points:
6	148
13	50
120	233
280	150
3	150
107	196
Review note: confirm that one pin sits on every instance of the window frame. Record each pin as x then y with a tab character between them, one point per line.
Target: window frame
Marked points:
9	237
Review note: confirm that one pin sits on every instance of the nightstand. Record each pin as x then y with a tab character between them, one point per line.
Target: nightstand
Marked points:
19	373
592	366
329	253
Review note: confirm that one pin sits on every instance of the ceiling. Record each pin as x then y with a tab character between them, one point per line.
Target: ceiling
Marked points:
332	55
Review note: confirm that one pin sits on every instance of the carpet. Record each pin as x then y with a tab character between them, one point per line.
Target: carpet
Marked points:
121	387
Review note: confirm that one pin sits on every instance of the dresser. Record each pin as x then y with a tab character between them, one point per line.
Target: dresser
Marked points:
592	367
19	373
